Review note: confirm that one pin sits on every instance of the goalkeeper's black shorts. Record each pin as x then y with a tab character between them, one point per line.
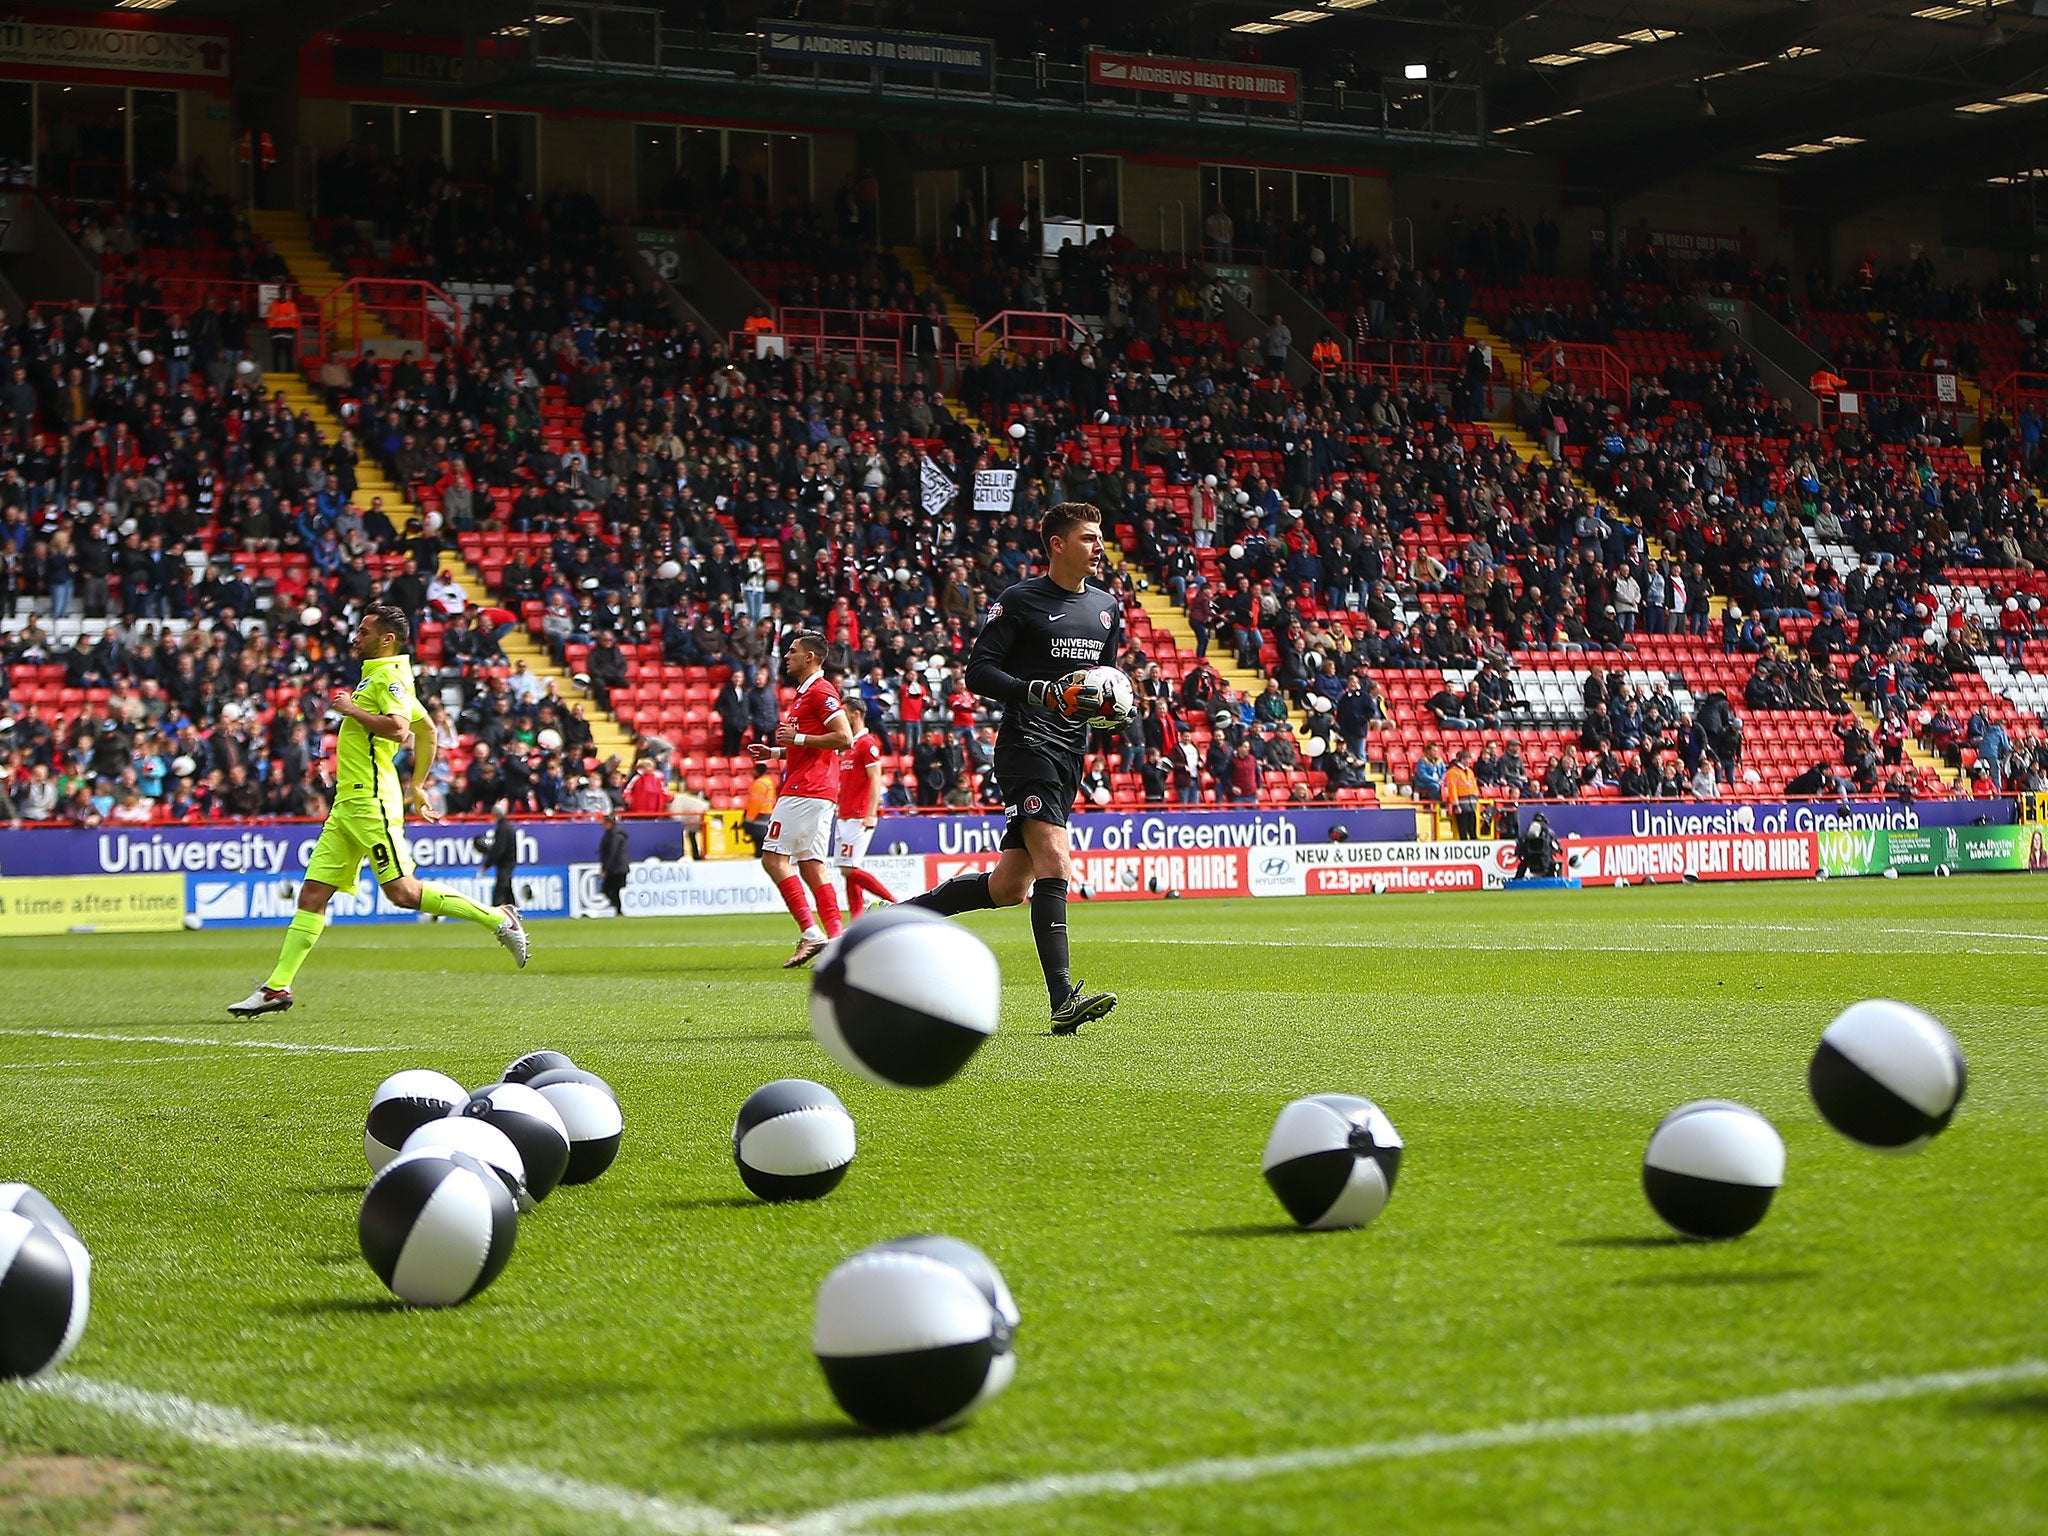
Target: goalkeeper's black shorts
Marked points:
1035	788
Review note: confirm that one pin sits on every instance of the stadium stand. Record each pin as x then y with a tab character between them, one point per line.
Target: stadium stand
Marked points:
1640	579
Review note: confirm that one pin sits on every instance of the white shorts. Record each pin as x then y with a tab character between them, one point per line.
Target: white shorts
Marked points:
801	828
850	842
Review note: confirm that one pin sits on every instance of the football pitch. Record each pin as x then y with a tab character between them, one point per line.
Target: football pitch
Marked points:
1516	1345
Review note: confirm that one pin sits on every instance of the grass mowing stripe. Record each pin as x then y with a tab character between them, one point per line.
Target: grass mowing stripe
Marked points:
296	1046
226	1429
853	1518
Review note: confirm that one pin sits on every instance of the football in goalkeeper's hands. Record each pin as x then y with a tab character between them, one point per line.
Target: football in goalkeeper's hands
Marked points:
1110	700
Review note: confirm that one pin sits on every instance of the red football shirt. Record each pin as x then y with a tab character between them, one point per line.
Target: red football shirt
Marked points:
856	795
813	772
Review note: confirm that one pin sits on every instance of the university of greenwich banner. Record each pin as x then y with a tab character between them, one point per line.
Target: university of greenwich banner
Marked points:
1706	818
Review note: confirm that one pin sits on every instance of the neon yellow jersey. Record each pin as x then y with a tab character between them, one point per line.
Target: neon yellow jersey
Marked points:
364	765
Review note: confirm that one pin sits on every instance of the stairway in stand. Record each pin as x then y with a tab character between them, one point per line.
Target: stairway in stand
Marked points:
1173	621
607	737
290	235
1159	608
923	279
1923	761
1530	451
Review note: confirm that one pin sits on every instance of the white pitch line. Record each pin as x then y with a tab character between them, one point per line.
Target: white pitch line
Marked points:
1971	933
852	1518
296	1046
111	1061
1477	949
227	1429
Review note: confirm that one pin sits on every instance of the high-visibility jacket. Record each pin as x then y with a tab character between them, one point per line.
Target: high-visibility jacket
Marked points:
283	315
1460	783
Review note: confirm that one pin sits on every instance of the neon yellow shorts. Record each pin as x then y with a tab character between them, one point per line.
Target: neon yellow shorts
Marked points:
357	830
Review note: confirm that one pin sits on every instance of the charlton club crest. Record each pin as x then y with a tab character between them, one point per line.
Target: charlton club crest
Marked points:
1105	618
1033	805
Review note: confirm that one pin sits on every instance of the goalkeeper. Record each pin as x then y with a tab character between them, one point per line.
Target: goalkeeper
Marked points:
1036	633
380	719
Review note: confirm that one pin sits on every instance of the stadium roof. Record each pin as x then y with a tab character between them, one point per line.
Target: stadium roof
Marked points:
1845	99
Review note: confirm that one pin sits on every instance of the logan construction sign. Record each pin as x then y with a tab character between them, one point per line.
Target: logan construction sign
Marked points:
1193	77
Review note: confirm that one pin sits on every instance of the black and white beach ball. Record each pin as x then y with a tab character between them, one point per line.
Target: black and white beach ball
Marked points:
1712	1168
1887	1075
550	1078
535	1127
403	1103
915	1333
793	1140
590	1114
45	1295
481	1140
904	997
533	1063
437	1226
27	1200
1332	1160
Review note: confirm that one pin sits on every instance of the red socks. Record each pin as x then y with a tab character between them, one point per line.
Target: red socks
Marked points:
828	909
859	884
799	904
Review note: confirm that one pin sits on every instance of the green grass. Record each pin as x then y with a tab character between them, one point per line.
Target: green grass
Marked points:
652	1332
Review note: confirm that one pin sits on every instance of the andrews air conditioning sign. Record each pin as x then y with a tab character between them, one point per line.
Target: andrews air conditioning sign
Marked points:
790	42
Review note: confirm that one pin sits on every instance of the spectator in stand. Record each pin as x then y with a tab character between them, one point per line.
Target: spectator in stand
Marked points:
1460	791
1245	778
499	850
764	707
760	806
1430	769
614	863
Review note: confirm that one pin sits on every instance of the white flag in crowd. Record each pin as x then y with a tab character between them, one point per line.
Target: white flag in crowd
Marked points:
994	489
938	486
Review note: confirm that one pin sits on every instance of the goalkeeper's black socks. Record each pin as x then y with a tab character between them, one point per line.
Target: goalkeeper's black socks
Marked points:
1049	928
962	893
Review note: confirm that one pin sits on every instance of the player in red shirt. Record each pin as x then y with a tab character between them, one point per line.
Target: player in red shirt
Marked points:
800	827
860	799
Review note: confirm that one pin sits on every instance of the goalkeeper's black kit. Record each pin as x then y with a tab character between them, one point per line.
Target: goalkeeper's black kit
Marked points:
1038	632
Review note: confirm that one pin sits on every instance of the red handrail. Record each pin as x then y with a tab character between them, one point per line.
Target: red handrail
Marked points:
389	309
1026	330
1586	366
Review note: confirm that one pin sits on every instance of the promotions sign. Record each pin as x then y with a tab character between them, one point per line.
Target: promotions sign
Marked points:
994	489
801	42
1192	77
130	47
87	904
1660	860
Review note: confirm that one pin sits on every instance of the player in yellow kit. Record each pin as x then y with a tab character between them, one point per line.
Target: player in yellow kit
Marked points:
380	719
